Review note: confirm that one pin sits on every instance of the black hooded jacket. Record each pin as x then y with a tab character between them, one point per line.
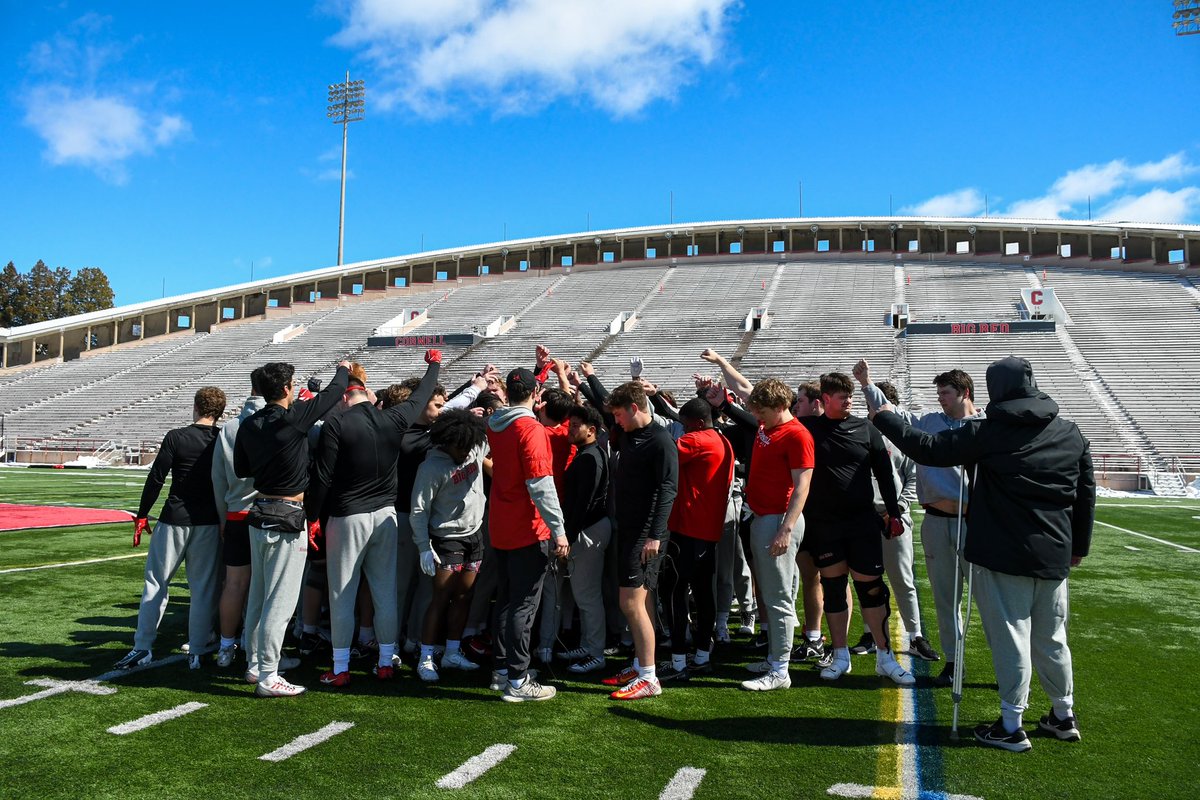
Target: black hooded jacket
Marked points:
1033	497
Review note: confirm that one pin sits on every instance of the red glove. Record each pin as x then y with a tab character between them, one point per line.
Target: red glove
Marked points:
314	530
139	527
433	356
895	528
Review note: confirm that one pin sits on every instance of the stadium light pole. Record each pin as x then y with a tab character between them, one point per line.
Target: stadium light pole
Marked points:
1187	17
346	105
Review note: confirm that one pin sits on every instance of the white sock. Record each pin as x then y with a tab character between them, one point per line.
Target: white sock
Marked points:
520	683
637	666
341	660
647	673
1011	719
778	666
841	653
227	641
386	651
426	652
722	620
678	663
453	646
813	636
702	656
1064	708
366	635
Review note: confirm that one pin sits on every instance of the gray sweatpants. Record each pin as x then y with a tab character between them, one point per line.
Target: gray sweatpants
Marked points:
357	545
776	576
939	540
586	585
276	574
171	546
733	573
898	563
1025	621
414	589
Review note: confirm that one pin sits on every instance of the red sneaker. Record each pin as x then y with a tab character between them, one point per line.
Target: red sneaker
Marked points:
337	679
621	678
637	689
384	673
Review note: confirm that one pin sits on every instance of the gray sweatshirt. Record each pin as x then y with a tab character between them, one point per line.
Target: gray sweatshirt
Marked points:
447	498
231	492
933	483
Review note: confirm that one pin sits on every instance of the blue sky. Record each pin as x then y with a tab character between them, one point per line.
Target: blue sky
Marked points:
180	143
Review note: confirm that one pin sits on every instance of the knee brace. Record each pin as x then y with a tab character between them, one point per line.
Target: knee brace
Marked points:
834	591
872	594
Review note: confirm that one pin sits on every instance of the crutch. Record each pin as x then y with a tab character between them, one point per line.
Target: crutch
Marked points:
960	625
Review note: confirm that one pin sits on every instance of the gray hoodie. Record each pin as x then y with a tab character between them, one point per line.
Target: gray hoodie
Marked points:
231	492
447	498
933	483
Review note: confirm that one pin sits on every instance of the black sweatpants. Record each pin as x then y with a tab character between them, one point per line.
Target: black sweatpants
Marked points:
520	573
691	564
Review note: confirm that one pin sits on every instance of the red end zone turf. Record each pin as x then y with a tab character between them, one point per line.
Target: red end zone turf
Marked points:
16	517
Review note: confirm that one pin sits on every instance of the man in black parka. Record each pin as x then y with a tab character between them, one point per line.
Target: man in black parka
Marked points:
1033	499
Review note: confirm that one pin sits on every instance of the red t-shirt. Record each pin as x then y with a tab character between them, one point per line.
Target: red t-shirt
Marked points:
520	453
705	472
776	453
562	451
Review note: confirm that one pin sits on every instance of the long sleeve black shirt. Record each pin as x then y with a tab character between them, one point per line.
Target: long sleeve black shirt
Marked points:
354	469
647	482
272	443
585	489
187	454
848	453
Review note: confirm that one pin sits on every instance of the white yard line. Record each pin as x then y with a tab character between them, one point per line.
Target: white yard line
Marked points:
684	784
151	720
476	766
72	563
1144	505
91	686
1134	549
302	743
1147	536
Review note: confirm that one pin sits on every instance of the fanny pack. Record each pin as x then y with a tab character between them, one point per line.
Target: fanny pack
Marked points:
284	516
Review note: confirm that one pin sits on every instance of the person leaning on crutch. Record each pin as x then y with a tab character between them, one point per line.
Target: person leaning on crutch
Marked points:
1030	521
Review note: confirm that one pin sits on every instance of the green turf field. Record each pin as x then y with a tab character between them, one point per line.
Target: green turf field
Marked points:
1133	633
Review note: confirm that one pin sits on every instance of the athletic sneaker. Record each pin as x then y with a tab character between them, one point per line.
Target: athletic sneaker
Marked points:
721	635
945	678
621	678
226	655
193	662
922	649
699	669
384	673
285	663
336	679
1065	729
666	672
887	666
769	682
278	687
809	650
479	646
500	679
994	735
865	646
457	660
759	667
586	665
637	689
747	626
135	658
759	644
572	655
836	668
312	642
529	690
364	649
426	671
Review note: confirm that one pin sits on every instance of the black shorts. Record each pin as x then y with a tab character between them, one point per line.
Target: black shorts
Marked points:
459	554
236	546
633	573
856	539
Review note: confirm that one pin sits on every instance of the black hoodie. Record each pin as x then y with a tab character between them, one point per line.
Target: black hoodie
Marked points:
1033	496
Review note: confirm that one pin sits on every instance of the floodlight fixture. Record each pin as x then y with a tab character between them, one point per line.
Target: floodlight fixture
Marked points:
1187	17
346	105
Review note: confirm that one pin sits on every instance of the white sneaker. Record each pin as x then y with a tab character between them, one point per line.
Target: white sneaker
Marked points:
759	667
278	687
529	690
838	666
747	627
769	682
226	655
457	660
887	666
586	665
500	679
285	663
426	671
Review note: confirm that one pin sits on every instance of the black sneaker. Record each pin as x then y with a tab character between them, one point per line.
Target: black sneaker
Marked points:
757	644
311	643
994	735
364	650
809	650
699	669
135	658
865	646
665	672
945	678
1066	730
922	649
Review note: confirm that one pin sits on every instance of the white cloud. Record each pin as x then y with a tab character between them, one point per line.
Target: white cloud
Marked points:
81	124
519	55
1097	181
963	203
1156	205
